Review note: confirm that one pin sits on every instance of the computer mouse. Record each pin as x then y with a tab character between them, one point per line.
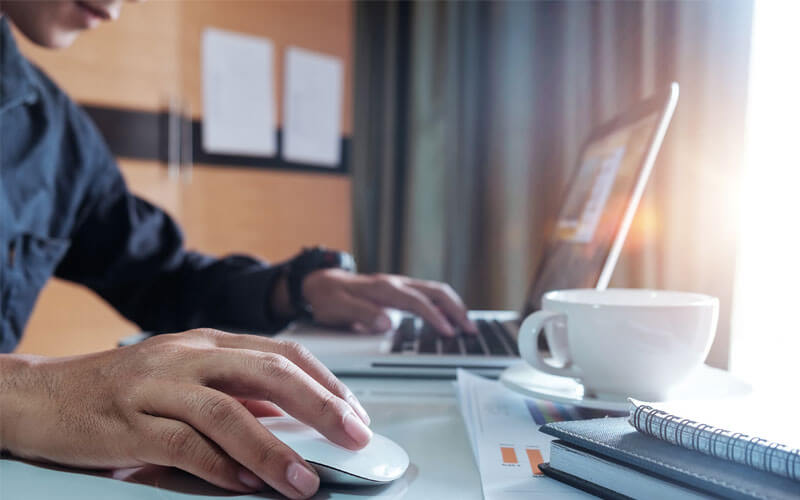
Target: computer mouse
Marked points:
380	462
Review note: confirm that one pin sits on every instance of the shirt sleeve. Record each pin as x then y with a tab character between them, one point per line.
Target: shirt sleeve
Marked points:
131	253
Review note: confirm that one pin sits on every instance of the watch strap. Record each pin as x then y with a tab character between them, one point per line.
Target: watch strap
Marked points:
308	261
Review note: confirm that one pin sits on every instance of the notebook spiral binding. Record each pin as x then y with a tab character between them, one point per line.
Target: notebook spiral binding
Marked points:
732	446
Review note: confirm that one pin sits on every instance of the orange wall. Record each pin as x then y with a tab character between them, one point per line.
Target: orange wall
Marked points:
153	51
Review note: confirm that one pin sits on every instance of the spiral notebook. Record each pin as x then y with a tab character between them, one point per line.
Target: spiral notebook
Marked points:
748	432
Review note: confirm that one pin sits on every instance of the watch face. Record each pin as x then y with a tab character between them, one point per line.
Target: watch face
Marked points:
347	262
333	258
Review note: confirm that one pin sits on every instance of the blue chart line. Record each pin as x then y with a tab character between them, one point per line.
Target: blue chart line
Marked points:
536	415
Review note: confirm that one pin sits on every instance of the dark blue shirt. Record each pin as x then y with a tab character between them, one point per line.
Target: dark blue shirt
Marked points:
65	211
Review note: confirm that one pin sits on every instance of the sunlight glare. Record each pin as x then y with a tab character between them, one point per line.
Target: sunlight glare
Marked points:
765	328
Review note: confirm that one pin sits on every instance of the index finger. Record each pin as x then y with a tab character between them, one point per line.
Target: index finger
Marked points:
301	357
394	292
243	373
230	426
447	300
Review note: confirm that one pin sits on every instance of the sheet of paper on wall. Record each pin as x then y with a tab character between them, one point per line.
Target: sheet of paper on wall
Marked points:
238	94
312	108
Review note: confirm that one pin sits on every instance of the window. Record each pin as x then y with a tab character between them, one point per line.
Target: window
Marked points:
766	317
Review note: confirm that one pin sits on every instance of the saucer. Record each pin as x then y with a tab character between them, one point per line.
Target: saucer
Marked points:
706	383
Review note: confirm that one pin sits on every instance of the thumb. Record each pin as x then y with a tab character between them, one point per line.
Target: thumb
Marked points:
360	314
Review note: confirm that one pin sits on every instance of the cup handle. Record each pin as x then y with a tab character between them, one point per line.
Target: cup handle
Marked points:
528	343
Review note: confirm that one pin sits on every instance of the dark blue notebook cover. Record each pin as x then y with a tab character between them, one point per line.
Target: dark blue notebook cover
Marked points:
617	439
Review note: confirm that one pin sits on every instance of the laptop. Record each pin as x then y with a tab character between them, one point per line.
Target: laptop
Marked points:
597	211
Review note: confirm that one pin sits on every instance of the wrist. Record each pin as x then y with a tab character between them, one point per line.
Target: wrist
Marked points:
280	305
18	375
306	263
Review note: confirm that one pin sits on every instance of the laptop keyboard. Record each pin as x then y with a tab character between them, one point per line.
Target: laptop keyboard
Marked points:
414	336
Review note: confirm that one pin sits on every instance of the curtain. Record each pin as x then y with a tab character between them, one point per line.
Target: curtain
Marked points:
490	103
380	132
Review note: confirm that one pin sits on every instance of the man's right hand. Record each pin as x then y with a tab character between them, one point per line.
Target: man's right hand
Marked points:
186	400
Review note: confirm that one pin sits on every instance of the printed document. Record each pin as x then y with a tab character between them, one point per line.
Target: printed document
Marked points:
503	428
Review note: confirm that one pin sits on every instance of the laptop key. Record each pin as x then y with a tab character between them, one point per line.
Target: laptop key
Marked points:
450	345
496	346
472	344
427	339
461	349
504	333
397	342
408	328
498	330
405	335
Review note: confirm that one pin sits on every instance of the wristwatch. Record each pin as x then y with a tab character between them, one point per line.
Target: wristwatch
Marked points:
308	261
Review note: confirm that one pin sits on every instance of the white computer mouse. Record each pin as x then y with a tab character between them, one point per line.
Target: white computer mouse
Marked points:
380	462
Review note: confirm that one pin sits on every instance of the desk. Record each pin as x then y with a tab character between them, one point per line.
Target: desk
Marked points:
421	415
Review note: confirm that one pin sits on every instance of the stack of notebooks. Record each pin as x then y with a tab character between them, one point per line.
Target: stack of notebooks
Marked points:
655	453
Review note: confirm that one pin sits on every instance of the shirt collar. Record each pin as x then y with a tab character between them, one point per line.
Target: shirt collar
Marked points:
17	79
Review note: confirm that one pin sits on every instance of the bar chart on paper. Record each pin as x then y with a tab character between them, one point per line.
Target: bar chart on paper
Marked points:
535	460
504	431
531	461
527	458
509	455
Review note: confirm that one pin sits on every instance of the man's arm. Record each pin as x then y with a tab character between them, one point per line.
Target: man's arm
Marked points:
131	253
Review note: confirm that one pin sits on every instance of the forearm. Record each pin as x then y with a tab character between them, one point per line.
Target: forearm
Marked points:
235	293
186	290
17	380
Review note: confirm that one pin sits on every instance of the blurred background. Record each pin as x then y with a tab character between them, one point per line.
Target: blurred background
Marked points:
459	127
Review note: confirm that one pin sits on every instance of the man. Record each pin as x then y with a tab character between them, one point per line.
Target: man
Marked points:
187	400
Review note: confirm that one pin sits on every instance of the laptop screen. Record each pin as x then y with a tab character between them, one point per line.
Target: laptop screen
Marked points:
593	208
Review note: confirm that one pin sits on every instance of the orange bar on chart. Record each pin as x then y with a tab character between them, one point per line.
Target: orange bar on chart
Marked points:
509	455
535	458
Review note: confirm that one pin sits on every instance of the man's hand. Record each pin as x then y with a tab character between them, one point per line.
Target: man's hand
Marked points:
188	400
359	301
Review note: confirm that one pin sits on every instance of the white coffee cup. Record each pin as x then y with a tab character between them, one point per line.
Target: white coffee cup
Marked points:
622	342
